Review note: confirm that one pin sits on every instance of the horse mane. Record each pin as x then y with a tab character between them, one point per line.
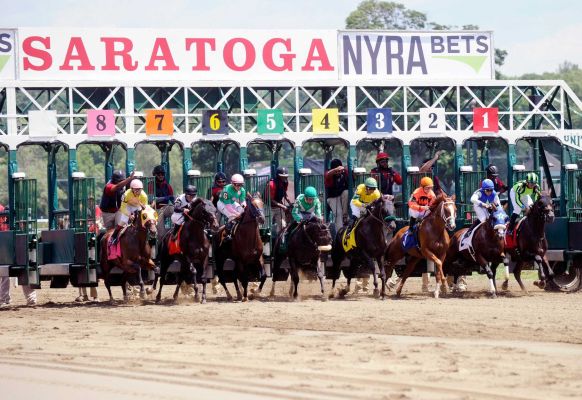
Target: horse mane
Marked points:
438	200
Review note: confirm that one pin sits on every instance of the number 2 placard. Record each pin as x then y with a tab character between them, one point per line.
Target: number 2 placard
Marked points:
100	122
485	120
325	120
432	120
159	122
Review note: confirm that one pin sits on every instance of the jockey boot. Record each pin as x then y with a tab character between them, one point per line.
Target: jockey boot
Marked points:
411	224
512	222
473	226
350	226
175	231
228	230
115	235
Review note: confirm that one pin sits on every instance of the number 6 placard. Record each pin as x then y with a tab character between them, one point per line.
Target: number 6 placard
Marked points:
100	122
159	122
215	121
432	120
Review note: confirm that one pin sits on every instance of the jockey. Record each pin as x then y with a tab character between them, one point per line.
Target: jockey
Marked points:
133	199
366	193
307	205
522	195
484	199
217	187
418	205
493	174
278	192
232	201
164	191
388	176
182	206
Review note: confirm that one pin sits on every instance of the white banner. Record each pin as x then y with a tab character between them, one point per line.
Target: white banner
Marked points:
384	55
193	55
7	58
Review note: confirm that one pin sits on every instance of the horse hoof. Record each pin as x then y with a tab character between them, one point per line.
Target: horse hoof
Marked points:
324	298
158	300
436	294
493	295
540	284
149	291
505	285
203	300
376	293
245	299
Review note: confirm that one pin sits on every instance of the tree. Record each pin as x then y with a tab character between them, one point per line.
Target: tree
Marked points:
374	14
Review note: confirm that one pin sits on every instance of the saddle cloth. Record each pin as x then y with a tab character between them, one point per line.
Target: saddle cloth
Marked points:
174	244
511	239
114	250
349	243
466	242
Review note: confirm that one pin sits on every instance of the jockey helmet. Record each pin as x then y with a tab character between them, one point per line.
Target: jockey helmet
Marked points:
220	176
487	184
283	172
158	169
426	181
191	190
136	184
382	156
492	170
237	178
336	162
371	183
310	192
117	176
531	177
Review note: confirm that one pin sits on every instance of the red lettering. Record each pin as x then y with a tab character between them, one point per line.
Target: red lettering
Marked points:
111	53
228	54
317	53
286	57
161	45
34	52
200	44
76	52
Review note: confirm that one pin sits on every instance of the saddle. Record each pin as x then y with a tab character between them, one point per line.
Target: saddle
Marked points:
466	241
511	238
114	249
349	240
410	238
174	243
222	234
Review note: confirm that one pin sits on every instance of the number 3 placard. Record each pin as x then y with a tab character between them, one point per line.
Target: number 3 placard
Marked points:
325	120
100	122
432	120
159	122
379	120
485	120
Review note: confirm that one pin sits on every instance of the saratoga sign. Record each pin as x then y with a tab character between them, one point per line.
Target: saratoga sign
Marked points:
250	55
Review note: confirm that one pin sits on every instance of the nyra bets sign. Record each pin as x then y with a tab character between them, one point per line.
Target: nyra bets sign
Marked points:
7	59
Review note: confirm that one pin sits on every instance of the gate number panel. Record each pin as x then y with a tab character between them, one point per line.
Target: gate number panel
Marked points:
325	120
159	122
214	121
432	120
270	122
100	122
379	120
485	120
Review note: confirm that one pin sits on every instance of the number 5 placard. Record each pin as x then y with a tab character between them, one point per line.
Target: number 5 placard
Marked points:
432	120
214	121
325	120
485	120
159	122
100	122
270	122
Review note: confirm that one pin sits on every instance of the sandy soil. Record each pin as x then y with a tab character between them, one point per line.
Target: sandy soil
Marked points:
471	347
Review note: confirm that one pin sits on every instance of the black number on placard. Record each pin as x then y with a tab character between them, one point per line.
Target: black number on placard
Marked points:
161	119
101	122
433	123
325	121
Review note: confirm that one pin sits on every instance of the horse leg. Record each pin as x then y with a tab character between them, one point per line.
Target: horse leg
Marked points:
163	270
517	275
320	276
347	289
178	284
142	292
295	277
407	271
194	272
440	276
124	286
332	289
238	293
505	284
490	275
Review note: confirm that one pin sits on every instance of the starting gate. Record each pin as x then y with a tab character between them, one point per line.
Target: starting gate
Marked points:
202	183
469	181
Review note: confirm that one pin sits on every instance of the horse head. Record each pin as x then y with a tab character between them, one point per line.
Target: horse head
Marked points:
543	209
383	208
446	209
203	211
318	233
255	208
498	220
148	218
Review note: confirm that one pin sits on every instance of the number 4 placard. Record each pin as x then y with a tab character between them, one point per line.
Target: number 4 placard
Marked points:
432	120
485	120
159	122
325	120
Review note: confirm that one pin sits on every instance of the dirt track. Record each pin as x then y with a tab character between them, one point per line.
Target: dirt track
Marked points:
512	347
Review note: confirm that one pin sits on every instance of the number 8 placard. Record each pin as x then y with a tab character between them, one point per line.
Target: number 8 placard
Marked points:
432	120
100	122
214	121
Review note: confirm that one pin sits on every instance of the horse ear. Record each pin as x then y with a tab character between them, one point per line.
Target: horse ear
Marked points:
454	197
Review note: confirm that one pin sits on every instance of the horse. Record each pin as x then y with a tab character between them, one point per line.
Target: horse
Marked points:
194	247
370	244
433	239
245	248
487	251
531	241
304	246
135	250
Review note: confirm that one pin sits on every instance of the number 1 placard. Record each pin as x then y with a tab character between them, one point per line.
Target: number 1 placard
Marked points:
159	122
325	120
432	120
485	120
100	122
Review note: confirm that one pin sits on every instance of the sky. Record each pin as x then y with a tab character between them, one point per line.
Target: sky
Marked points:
538	35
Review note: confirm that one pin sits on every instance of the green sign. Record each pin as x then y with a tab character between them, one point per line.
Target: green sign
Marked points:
270	122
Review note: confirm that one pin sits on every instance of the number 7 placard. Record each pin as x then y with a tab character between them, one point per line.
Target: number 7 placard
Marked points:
485	120
159	122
